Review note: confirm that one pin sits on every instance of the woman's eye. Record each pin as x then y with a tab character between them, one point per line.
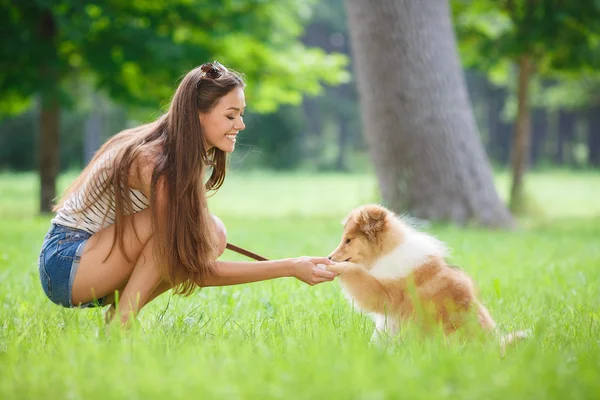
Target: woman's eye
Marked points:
348	241
231	118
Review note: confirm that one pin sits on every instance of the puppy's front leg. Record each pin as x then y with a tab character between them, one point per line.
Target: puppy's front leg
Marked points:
386	328
342	267
368	293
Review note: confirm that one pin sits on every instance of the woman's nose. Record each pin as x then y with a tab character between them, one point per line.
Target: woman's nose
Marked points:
240	126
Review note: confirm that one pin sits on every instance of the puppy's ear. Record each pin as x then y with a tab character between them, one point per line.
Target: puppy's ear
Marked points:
346	219
371	220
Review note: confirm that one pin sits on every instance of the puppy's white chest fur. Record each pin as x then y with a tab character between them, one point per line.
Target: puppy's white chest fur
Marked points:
404	258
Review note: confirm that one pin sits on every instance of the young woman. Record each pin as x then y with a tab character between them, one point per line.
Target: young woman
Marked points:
136	222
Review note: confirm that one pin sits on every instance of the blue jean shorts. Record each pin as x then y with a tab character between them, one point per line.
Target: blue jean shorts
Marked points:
58	263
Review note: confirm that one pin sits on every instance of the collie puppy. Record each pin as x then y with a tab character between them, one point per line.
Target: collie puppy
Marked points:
394	272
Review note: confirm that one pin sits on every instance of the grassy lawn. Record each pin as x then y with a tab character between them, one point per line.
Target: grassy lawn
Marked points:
284	339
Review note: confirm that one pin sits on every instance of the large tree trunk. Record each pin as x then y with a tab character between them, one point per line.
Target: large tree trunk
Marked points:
522	135
417	117
594	136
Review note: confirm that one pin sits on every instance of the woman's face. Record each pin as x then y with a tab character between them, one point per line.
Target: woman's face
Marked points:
225	121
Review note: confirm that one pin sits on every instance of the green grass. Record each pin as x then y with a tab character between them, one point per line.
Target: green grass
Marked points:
284	339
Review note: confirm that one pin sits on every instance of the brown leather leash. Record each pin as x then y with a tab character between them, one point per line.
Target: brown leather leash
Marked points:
245	252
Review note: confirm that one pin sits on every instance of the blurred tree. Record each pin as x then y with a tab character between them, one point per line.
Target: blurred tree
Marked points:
323	133
417	117
19	141
499	129
539	128
136	51
577	95
276	136
540	37
337	107
17	144
593	135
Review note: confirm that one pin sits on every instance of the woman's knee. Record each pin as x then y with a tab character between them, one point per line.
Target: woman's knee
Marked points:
221	233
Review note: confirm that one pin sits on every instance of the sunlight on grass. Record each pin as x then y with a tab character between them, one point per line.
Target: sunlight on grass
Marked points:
556	194
284	339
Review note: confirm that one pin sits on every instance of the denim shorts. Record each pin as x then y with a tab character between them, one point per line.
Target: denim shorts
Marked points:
58	263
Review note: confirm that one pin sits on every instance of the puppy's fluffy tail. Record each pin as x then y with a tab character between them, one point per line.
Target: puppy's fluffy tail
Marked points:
512	338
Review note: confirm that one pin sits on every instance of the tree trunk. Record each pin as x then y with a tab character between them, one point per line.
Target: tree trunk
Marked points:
594	136
522	135
48	151
49	116
417	117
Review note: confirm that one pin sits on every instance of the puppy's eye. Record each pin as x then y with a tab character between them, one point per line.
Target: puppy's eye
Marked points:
348	241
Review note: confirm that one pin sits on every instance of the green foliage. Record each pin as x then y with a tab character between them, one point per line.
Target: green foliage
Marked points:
332	14
19	139
560	35
18	142
272	140
293	137
569	92
137	50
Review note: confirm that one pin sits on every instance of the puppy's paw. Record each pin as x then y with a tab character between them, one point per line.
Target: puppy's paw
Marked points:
330	267
340	267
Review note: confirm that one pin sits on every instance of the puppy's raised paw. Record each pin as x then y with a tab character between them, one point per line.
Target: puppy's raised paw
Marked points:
340	267
327	267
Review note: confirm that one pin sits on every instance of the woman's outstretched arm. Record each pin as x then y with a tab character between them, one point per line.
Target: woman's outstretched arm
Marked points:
239	272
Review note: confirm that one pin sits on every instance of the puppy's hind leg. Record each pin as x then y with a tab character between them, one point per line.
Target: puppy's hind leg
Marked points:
485	319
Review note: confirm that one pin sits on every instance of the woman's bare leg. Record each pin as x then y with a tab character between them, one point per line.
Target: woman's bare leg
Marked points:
143	282
137	282
110	300
95	277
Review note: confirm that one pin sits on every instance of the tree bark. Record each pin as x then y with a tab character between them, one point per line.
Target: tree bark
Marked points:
48	151
417	117
522	135
49	116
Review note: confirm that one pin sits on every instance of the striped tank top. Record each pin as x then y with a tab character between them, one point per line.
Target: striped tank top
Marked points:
91	220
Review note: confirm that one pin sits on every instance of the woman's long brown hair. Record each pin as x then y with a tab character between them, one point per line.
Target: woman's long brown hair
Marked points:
185	244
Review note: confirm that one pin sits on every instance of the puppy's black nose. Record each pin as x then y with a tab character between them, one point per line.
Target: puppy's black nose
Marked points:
329	258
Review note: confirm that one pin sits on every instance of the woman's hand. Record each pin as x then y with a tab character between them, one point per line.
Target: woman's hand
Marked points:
306	270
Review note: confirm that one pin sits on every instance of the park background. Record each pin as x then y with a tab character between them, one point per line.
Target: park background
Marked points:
479	118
